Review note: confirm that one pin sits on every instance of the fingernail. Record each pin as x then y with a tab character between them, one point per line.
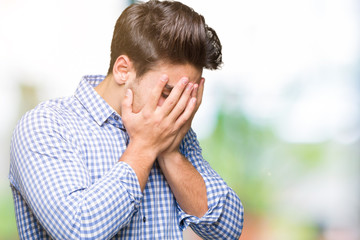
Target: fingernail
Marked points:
164	78
190	86
193	100
185	81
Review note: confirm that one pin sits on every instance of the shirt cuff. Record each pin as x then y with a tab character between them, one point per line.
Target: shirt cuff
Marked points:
129	181
216	191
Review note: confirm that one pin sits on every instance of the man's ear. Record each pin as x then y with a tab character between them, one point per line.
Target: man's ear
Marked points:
123	67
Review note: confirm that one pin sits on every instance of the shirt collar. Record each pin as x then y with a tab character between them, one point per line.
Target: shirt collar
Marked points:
98	108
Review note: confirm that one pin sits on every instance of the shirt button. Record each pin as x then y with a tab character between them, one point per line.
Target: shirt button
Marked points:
116	118
144	219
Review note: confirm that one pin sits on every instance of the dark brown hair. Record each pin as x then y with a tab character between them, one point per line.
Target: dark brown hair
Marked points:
164	31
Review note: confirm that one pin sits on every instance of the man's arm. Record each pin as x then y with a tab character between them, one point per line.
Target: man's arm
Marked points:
206	203
224	218
186	183
49	173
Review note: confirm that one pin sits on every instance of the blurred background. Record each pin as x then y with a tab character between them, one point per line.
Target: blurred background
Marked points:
280	122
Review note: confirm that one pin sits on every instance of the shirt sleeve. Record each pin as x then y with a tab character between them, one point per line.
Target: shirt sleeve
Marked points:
47	171
224	218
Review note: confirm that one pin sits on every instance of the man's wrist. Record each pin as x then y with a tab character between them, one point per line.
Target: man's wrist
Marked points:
170	159
141	152
140	160
169	155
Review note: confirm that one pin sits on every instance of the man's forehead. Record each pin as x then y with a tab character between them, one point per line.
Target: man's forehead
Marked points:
176	72
172	82
171	86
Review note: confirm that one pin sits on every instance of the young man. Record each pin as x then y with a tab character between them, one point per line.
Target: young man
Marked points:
119	158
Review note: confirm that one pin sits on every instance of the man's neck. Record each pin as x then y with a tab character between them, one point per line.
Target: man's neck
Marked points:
111	92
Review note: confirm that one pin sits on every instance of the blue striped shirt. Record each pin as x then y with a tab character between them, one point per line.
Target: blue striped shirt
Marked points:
67	181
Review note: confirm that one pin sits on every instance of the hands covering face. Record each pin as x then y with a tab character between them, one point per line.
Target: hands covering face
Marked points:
161	128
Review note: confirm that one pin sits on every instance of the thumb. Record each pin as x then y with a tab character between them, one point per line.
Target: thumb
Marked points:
126	108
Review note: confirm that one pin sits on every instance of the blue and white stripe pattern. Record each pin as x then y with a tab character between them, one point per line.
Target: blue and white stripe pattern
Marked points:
67	182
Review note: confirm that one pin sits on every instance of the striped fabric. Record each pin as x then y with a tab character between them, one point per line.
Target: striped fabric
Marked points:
67	182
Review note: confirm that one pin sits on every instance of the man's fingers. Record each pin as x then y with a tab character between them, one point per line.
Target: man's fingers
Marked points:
186	115
182	103
172	100
195	90
200	92
126	108
156	92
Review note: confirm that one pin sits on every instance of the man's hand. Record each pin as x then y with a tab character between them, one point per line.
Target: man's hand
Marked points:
186	183
155	128
197	93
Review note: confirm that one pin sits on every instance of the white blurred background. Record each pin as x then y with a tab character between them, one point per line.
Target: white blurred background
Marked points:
292	66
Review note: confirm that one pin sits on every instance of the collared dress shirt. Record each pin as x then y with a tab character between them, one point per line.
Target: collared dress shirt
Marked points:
67	181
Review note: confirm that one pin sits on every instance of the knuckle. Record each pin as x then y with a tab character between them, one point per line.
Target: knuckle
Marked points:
146	114
182	106
157	121
171	102
186	117
182	122
173	131
183	119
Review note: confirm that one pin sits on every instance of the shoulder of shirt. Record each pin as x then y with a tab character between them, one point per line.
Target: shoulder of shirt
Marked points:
191	135
189	140
54	110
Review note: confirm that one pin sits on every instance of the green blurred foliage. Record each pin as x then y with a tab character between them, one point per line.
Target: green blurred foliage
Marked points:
8	228
234	150
258	165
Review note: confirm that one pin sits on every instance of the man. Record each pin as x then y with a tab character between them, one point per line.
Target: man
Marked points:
119	158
